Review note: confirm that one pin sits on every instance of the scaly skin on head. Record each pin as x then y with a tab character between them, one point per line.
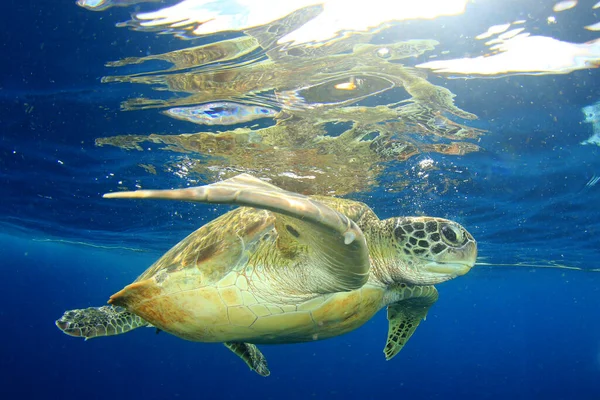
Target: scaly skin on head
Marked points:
419	250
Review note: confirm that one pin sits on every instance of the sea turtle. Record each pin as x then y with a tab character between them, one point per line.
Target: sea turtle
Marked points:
284	268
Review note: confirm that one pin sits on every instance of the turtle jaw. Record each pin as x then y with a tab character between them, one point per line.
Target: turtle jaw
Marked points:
450	270
434	272
448	265
454	263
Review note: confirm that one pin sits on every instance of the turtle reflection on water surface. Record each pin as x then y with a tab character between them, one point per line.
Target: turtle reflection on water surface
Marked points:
284	268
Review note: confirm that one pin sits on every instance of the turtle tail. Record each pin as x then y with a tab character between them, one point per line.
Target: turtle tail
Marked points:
99	321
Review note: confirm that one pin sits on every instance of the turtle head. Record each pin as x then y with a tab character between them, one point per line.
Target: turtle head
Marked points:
430	250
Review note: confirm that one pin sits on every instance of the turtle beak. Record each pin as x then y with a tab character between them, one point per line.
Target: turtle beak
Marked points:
456	262
452	270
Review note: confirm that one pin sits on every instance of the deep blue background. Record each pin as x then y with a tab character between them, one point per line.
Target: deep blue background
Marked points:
496	333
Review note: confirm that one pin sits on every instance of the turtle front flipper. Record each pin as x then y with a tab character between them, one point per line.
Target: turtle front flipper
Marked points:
405	315
99	321
331	240
251	355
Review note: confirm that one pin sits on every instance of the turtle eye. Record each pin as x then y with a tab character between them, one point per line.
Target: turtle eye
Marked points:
452	235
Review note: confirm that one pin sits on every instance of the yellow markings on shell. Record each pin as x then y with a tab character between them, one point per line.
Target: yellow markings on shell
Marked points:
241	316
231	296
348	308
228	280
289	308
274	310
248	298
260	310
312	304
242	282
212	310
285	322
331	312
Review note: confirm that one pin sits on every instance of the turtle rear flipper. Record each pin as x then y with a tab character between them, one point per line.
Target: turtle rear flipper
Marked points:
251	355
99	321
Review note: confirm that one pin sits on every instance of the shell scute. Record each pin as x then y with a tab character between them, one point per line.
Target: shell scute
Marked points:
242	282
260	310
231	296
241	316
284	323
248	298
228	280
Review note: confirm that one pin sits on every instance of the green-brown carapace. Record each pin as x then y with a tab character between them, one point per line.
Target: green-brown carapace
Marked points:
284	268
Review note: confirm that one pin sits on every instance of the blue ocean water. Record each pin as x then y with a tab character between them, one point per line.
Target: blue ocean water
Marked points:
517	331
